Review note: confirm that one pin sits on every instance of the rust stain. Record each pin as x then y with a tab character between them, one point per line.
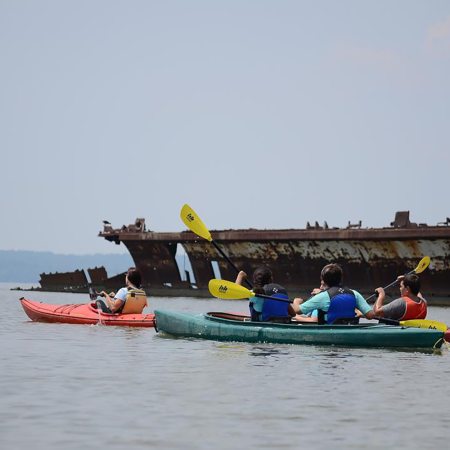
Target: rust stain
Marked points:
369	256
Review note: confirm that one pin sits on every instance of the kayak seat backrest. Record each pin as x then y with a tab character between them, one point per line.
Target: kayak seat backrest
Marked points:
136	302
275	311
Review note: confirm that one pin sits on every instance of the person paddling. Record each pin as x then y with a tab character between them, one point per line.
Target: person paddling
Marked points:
116	302
262	309
334	300
411	305
312	316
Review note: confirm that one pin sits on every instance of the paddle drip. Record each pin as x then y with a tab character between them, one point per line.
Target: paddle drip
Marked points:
93	295
99	316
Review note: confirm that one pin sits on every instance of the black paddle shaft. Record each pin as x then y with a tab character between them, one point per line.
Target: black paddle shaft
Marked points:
387	321
230	262
278	299
93	294
394	283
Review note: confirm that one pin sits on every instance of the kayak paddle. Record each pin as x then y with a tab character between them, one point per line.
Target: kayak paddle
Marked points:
424	262
93	294
195	224
232	291
416	323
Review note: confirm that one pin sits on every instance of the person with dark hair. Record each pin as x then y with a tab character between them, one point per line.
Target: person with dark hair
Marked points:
411	305
262	309
334	301
129	299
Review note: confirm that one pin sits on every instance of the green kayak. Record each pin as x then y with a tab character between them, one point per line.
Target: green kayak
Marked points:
233	327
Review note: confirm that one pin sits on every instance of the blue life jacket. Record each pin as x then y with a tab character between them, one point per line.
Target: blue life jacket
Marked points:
266	310
342	303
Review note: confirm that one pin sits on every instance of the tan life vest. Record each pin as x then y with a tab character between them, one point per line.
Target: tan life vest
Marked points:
136	301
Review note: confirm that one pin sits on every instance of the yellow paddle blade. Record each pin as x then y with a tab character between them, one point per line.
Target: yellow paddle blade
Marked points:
228	290
422	265
194	223
432	324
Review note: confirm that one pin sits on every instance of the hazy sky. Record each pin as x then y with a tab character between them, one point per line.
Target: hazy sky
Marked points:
262	114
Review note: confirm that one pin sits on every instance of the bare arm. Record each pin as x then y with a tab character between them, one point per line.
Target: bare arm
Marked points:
113	304
242	276
378	307
296	305
300	318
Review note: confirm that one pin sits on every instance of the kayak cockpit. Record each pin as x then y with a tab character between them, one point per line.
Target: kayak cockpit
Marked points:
239	318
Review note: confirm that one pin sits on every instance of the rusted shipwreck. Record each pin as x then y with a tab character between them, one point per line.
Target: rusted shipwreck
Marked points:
77	281
370	257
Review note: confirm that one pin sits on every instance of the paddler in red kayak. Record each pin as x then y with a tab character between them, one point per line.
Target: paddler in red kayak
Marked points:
411	305
129	299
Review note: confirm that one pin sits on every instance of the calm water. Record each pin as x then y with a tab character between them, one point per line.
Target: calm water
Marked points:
75	386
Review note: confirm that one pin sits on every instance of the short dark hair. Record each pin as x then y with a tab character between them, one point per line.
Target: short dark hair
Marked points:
413	282
134	276
332	275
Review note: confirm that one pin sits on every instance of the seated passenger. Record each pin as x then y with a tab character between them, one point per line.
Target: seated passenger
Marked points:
129	294
263	309
333	300
312	316
411	304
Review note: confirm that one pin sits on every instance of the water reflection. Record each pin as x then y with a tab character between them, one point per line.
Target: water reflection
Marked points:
267	352
336	354
64	384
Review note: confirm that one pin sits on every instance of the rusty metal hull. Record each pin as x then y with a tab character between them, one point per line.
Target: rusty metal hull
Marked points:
62	281
369	257
366	264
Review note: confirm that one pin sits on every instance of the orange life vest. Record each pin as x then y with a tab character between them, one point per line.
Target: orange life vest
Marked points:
414	310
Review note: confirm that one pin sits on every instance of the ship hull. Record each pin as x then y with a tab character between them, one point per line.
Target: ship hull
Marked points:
296	261
370	257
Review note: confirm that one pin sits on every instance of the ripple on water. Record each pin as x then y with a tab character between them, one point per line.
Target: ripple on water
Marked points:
67	386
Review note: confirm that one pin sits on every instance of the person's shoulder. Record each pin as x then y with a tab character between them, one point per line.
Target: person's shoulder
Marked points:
357	294
419	299
122	293
395	309
397	303
320	296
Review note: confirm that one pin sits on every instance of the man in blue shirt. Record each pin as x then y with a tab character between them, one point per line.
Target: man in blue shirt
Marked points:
334	299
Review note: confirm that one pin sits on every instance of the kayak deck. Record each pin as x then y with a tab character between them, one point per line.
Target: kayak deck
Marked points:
82	314
224	327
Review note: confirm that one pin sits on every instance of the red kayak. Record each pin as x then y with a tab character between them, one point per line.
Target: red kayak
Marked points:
84	314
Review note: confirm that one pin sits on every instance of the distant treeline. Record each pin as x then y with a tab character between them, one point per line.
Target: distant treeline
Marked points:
26	266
